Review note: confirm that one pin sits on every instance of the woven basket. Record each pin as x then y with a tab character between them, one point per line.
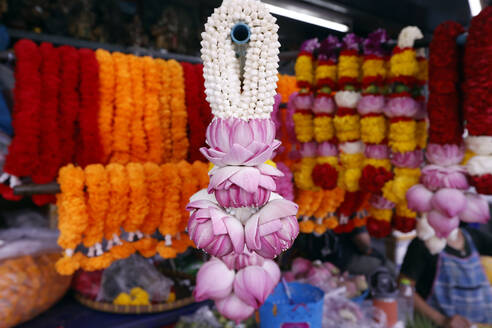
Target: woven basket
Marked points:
133	309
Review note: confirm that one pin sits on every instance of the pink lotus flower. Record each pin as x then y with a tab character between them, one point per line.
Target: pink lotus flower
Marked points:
240	186
445	155
238	261
324	105
211	228
214	280
476	209
301	266
273	228
376	151
370	104
449	201
435	177
411	159
327	149
442	225
233	308
253	284
303	101
235	141
419	198
401	107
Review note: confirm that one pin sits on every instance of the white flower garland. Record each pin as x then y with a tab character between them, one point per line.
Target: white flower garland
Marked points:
221	67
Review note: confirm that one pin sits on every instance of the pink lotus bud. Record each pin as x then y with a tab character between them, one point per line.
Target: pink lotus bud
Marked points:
207	283
308	149
448	201
435	177
401	107
272	269
238	261
376	151
252	285
370	104
233	308
476	209
272	229
211	228
323	105
303	101
327	149
442	225
445	155
301	266
411	159
243	186
234	141
419	198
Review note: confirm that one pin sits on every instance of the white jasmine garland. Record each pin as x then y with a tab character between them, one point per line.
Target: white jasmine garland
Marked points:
479	165
480	145
221	67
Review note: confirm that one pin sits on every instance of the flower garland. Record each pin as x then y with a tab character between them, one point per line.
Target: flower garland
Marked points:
286	85
178	112
123	110
97	206
107	85
325	173
118	202
139	202
205	111
139	149
477	101
90	149
73	216
197	127
24	148
165	109
151	110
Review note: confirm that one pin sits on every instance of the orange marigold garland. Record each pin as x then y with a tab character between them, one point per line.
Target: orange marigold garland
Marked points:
118	202
151	110
165	109
73	218
138	137
178	112
106	103
139	201
123	110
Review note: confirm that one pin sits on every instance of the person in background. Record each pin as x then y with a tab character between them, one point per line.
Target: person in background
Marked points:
452	288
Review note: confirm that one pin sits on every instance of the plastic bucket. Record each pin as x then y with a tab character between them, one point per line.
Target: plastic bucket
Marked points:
305	312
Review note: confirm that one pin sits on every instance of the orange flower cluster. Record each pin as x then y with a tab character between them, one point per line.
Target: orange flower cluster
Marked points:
95	203
142	115
286	85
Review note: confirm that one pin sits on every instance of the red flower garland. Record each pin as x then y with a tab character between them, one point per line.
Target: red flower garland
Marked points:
404	224
373	178
69	101
205	111
24	149
89	150
325	176
443	107
193	104
378	228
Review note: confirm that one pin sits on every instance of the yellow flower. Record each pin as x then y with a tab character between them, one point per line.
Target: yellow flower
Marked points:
347	127
409	172
381	214
332	160
323	128
303	176
373	129
325	71
303	124
373	67
304	69
348	66
352	160
122	299
404	63
403	210
402	136
350	179
377	162
421	134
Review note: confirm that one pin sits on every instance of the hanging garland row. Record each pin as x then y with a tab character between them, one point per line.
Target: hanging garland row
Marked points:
109	212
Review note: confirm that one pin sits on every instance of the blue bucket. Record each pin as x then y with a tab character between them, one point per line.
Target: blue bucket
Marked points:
306	312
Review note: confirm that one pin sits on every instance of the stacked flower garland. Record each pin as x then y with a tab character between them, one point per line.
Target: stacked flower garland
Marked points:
303	116
96	202
347	128
401	109
442	196
478	101
239	219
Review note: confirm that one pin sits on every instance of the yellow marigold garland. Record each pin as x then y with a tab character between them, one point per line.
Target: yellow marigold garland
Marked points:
347	127
151	110
106	100
178	112
303	125
373	129
404	63
302	176
138	141
323	128
123	110
304	69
